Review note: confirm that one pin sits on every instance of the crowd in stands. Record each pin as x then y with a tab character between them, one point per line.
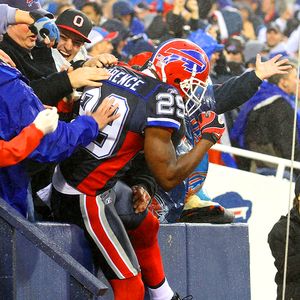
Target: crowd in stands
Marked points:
142	90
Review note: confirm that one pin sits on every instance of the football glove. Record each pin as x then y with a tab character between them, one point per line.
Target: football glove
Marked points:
211	126
43	26
195	128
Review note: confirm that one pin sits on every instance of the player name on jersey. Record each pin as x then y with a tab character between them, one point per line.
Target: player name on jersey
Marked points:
127	80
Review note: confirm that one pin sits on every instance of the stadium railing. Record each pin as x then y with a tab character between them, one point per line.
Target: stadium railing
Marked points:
280	162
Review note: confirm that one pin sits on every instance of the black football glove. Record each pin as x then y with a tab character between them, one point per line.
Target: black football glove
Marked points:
211	126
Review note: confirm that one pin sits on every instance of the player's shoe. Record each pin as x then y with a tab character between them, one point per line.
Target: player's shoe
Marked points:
203	211
177	297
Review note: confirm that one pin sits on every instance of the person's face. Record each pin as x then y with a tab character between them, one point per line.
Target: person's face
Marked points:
273	38
289	83
69	44
22	35
234	56
142	14
102	47
126	20
267	6
91	14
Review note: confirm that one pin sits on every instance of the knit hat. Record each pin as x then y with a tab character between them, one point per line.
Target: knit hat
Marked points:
28	5
75	21
122	8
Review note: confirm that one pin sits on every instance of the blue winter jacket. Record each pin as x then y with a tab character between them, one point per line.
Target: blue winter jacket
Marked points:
18	108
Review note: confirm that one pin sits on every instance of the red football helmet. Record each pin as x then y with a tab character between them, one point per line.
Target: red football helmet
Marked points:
184	65
140	59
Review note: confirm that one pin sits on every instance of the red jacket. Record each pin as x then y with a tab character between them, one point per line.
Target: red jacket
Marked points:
18	148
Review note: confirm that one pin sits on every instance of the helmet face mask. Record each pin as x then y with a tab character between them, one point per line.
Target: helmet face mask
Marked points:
194	90
184	65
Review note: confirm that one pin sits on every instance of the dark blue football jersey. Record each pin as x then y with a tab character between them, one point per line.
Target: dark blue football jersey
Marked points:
143	102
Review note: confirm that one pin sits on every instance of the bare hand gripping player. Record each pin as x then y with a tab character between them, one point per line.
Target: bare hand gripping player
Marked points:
152	107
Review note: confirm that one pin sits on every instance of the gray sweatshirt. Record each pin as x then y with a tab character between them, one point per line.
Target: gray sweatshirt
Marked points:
7	17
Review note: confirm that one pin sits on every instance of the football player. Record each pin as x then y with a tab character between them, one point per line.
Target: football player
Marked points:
152	106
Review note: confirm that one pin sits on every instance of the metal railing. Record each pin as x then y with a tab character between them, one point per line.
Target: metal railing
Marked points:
280	162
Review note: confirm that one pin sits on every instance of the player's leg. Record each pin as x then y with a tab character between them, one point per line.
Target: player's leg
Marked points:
110	241
142	229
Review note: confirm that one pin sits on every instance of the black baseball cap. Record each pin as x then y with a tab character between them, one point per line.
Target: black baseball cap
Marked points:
235	44
75	21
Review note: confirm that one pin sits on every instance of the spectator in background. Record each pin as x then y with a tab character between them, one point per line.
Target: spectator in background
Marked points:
93	11
277	243
269	10
120	42
175	23
234	55
252	48
124	12
143	13
101	41
265	122
275	40
252	23
228	19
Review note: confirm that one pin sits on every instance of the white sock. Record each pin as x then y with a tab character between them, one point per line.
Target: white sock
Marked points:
164	292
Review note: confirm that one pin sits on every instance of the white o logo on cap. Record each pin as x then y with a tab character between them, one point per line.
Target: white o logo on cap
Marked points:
78	21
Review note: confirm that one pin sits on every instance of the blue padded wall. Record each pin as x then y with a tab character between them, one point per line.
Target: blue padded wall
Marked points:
211	262
6	261
218	262
37	273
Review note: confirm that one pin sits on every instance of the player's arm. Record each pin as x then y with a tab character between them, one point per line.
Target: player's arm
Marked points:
160	154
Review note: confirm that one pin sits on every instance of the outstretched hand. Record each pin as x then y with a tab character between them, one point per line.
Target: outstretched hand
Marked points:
87	76
106	112
101	61
273	66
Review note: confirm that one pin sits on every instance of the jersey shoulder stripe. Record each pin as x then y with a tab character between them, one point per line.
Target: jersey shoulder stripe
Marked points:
163	122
